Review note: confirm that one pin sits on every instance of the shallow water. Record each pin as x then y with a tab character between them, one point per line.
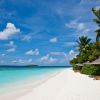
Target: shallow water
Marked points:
12	75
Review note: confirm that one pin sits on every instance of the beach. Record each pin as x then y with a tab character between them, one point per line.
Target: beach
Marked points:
26	81
66	85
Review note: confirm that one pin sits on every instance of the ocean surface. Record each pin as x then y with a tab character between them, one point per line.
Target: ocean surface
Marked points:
12	75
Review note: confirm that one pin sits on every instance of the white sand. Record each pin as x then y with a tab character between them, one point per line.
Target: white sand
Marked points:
19	88
66	85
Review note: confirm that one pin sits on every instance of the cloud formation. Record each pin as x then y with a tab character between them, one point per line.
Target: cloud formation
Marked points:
71	52
32	52
11	44
8	31
48	59
53	40
27	38
3	54
11	50
59	54
78	26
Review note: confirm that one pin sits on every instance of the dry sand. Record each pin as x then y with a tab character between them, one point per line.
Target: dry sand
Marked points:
66	85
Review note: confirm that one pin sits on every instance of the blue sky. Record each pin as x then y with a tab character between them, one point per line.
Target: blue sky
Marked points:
43	32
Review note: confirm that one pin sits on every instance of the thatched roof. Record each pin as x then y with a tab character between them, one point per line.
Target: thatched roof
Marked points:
79	64
87	63
95	62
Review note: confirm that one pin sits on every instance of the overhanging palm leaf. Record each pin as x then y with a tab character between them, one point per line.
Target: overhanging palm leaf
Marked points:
82	43
97	14
97	20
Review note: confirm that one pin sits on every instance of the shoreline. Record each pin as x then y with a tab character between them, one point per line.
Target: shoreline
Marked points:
18	89
66	85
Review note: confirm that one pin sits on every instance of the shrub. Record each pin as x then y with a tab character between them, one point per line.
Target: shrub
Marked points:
91	58
89	70
75	67
97	71
82	58
74	61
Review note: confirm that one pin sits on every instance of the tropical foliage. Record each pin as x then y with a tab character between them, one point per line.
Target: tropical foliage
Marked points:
83	43
97	20
88	51
75	67
90	70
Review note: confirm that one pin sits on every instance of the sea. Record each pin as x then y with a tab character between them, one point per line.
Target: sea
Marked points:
12	74
16	81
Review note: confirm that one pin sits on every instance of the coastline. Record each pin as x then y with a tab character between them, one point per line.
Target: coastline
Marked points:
67	85
18	89
60	85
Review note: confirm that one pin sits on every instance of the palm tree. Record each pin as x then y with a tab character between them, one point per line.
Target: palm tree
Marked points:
83	43
98	35
97	20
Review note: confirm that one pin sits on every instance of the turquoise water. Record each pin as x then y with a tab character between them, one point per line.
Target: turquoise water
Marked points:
17	74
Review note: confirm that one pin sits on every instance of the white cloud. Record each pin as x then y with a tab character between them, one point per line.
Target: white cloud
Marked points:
53	57
48	59
33	52
75	25
97	7
71	52
70	44
8	31
27	38
45	57
53	40
30	52
11	50
58	58
14	61
21	61
11	44
36	52
78	26
52	60
3	55
58	53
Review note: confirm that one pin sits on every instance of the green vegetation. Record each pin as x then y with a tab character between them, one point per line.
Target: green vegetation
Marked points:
88	51
97	20
90	70
83	43
75	67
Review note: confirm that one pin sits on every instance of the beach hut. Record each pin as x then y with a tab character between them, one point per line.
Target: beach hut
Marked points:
95	62
80	65
87	63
